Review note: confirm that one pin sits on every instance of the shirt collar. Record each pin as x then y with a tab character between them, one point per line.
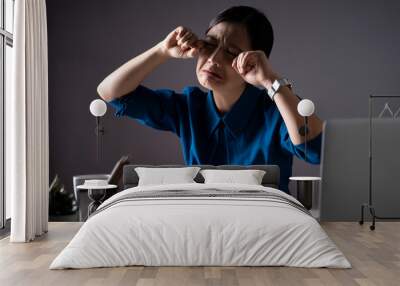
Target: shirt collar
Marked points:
239	114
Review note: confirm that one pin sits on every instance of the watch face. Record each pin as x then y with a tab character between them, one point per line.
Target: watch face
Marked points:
276	85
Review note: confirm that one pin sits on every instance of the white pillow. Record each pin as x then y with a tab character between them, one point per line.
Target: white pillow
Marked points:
249	177
161	176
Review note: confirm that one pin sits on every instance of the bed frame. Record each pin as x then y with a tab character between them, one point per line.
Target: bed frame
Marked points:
270	179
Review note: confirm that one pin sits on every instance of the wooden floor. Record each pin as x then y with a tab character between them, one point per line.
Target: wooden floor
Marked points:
375	256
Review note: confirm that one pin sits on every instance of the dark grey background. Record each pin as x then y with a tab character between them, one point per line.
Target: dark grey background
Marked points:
335	52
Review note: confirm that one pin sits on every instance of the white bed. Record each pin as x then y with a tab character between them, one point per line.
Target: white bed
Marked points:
206	230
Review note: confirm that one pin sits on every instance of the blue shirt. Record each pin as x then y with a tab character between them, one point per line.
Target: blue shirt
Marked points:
251	132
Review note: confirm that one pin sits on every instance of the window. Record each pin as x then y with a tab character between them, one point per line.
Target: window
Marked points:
6	62
9	13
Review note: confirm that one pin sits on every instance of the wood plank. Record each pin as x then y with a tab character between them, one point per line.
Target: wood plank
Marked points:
375	257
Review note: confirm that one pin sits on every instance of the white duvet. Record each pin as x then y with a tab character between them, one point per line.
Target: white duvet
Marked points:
200	231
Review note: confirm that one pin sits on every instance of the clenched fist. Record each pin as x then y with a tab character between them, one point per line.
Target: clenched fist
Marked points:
181	43
255	68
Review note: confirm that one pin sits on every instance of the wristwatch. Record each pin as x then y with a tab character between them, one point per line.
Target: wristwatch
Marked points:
276	85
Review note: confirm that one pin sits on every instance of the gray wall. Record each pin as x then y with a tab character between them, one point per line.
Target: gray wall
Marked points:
335	52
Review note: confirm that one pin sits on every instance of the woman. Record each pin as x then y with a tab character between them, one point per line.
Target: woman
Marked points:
235	122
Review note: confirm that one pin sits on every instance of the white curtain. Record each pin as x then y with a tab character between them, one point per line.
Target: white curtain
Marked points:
27	141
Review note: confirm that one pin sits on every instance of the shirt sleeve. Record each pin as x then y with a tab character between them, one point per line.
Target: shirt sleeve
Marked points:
313	146
159	108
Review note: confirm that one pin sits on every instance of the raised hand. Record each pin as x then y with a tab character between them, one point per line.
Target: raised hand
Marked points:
254	68
181	43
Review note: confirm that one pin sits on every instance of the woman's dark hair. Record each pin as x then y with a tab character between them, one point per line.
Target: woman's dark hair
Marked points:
256	23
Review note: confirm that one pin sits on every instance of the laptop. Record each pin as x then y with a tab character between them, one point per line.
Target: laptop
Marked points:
345	168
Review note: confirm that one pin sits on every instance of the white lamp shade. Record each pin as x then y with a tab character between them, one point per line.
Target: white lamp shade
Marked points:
98	107
305	107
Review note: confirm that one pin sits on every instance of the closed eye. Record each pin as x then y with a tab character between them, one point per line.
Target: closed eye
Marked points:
227	51
210	44
233	54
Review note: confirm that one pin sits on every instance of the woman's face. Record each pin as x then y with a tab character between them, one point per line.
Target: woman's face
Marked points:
222	44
